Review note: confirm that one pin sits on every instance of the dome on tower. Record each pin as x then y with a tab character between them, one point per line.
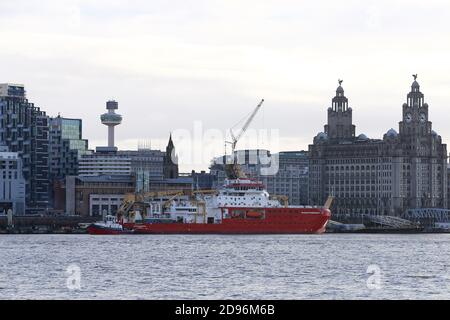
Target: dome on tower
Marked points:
434	133
391	133
362	137
320	137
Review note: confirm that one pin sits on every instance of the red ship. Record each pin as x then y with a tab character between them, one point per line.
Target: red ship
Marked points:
242	206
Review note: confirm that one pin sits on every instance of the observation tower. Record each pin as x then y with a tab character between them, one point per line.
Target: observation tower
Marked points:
111	119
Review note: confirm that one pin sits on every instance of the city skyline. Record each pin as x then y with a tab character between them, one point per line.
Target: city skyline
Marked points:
225	154
158	62
251	141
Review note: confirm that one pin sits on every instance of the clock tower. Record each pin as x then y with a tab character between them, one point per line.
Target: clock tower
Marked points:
423	156
405	170
415	114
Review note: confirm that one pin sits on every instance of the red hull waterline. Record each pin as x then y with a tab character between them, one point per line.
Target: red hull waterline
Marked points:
276	221
92	229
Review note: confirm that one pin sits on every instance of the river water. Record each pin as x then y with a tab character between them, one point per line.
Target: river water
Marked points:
329	266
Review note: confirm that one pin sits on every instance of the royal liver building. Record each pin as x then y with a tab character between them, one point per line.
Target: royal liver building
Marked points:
405	169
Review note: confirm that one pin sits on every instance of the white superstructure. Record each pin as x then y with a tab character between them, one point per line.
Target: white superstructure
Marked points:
244	193
238	193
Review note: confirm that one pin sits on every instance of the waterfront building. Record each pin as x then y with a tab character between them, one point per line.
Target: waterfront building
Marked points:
12	183
24	129
292	177
182	183
284	173
403	170
95	195
105	178
146	164
202	180
104	163
66	146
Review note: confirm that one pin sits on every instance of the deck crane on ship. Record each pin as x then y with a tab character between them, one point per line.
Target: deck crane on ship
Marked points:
232	169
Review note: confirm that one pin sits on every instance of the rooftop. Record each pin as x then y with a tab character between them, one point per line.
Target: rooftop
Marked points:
107	178
179	180
12	90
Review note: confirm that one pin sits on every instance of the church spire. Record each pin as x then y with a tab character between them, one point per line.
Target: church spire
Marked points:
170	143
170	160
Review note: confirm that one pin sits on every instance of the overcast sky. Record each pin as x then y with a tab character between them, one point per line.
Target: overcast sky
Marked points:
171	63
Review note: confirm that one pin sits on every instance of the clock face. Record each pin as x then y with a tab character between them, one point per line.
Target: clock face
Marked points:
423	117
408	117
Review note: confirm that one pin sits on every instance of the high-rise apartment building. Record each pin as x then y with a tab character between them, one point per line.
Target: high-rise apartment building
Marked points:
24	129
12	183
66	146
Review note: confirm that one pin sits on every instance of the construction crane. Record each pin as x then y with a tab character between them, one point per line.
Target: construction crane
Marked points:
235	138
233	170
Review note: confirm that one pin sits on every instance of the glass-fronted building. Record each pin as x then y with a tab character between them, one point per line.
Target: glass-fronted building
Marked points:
24	130
66	146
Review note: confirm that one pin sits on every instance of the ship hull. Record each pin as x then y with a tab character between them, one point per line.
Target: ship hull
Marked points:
98	230
275	221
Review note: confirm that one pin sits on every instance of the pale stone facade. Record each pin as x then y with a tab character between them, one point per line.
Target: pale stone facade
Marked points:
379	176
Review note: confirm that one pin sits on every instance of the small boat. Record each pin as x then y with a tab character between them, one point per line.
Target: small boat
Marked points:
109	226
